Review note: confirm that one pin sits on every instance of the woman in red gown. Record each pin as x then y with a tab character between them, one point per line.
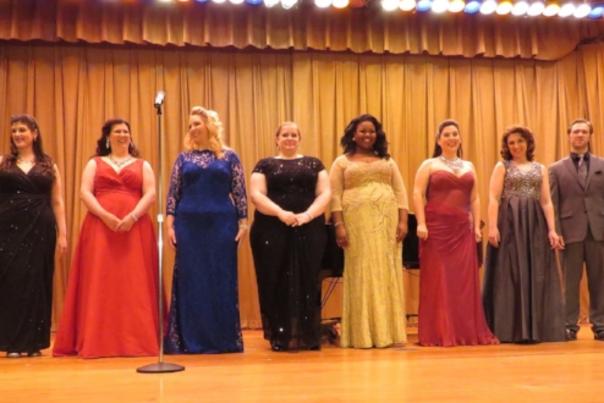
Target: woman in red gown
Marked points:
448	226
110	309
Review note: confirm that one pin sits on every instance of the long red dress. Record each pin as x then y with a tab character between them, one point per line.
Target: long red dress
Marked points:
110	309
450	307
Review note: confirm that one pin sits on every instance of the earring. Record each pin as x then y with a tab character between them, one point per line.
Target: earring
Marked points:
108	144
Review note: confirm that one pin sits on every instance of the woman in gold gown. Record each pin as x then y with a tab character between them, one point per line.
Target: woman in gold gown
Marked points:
369	211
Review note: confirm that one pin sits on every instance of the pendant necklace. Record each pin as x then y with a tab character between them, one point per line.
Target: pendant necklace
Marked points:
121	163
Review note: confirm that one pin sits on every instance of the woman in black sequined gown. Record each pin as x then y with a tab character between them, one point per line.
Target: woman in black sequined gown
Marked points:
290	192
32	222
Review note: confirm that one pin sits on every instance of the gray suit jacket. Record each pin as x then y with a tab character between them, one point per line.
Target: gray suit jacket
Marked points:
578	208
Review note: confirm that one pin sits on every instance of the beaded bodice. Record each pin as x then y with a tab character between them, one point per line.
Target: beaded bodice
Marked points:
522	182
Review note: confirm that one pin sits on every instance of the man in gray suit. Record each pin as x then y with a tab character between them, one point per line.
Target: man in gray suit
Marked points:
577	186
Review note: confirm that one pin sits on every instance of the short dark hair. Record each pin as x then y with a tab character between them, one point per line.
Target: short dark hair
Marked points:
380	147
101	144
580	120
526	134
441	126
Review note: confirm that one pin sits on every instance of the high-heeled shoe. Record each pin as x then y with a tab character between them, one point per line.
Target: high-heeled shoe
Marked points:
12	354
36	353
276	346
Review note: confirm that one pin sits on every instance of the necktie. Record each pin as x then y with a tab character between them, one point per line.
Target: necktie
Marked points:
582	169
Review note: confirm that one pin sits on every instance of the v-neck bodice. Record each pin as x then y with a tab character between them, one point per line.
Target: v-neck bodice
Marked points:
36	181
129	179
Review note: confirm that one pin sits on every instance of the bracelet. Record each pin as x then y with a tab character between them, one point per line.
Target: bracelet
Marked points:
335	224
134	216
243	226
308	215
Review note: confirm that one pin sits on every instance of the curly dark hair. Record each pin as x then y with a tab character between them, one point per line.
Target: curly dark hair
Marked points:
380	147
101	144
441	126
523	132
42	159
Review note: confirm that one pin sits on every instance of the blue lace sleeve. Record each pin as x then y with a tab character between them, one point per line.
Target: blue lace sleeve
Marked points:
175	187
238	185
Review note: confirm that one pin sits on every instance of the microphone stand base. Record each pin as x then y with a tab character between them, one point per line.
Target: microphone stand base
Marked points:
160	367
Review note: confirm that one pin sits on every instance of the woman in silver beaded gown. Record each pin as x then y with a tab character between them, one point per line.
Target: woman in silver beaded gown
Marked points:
523	298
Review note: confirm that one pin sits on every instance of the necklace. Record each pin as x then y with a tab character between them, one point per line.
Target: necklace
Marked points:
455	165
121	163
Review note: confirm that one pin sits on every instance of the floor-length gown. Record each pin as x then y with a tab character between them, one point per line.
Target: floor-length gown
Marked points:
111	304
27	250
523	297
288	259
207	197
450	309
370	196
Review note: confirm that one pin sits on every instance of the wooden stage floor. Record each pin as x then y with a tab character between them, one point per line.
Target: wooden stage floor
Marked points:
549	372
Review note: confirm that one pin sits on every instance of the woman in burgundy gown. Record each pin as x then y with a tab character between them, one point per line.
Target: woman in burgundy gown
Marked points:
110	308
448	226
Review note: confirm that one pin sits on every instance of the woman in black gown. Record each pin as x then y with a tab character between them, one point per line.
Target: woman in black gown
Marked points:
31	213
290	192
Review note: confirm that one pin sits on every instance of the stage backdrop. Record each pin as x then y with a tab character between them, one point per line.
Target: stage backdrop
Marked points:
73	88
305	27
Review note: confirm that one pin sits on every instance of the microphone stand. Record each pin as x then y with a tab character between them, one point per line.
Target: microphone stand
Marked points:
160	366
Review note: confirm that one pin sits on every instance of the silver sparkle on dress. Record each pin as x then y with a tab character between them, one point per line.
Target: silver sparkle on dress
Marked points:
522	182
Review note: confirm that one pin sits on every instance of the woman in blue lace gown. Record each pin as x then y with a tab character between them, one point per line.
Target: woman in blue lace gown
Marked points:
523	299
206	217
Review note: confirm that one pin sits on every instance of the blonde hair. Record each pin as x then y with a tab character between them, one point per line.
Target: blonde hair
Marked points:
214	125
288	123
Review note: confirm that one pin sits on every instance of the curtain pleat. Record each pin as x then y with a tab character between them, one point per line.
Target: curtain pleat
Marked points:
303	28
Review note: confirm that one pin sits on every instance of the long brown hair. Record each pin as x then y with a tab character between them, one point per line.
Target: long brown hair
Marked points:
42	159
437	149
101	144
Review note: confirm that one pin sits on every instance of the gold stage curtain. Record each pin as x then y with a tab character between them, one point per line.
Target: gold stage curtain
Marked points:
72	89
305	27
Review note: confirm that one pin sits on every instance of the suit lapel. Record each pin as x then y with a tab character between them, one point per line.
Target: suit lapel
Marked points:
572	170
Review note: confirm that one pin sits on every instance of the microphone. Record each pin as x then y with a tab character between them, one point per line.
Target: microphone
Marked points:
159	98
